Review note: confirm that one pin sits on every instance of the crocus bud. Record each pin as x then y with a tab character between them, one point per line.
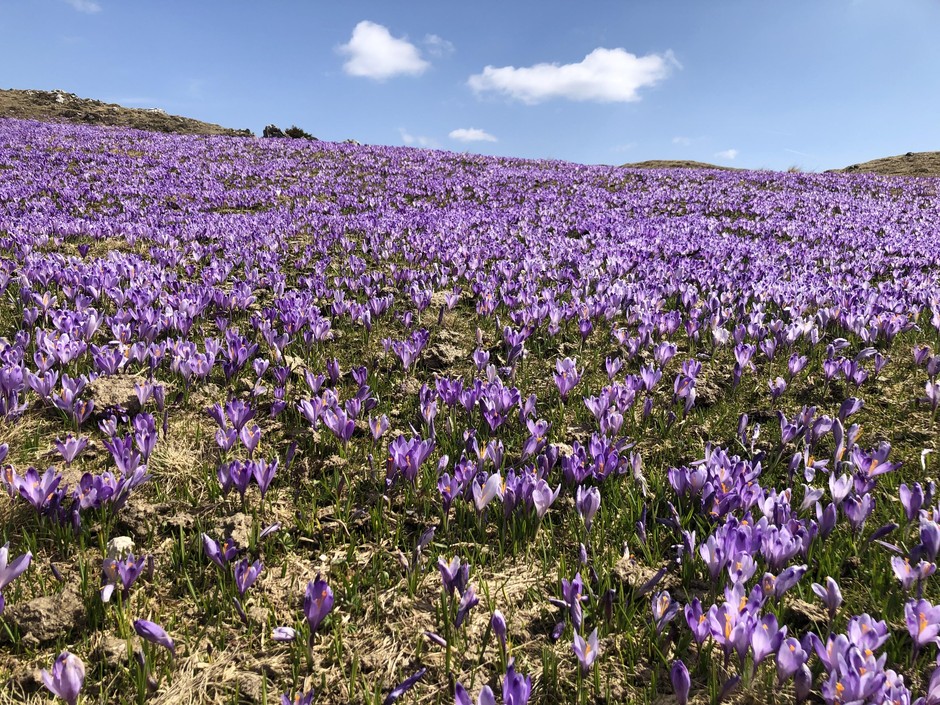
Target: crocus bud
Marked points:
802	683
155	634
681	682
283	634
498	622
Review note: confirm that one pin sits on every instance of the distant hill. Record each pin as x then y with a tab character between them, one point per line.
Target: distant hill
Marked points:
674	164
910	164
59	106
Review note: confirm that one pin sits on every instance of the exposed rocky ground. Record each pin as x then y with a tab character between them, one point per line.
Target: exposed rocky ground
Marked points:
909	164
59	106
674	164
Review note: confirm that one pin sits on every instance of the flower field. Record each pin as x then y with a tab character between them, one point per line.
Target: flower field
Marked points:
329	423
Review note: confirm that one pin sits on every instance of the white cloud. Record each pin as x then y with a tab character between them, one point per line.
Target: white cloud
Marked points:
728	154
683	141
471	134
438	46
417	140
374	53
89	7
603	76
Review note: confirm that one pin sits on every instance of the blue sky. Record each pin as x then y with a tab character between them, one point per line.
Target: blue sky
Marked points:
750	83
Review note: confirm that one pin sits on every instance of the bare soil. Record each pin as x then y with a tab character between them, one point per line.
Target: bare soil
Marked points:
59	106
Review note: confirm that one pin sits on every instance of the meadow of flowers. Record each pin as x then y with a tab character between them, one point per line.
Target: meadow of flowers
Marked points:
322	423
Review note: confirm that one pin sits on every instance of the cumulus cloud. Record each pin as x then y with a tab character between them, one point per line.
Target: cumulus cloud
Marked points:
471	134
89	7
683	141
374	53
603	76
417	140
727	154
437	46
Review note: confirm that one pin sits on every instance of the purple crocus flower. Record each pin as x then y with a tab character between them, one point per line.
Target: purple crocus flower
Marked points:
697	620
910	576
802	683
912	499
268	530
250	437
681	682
67	677
587	502
38	490
923	622
543	497
71	447
220	555
339	423
858	509
830	594
12	570
378	426
485	493
404	686
263	472
566	376
498	624
124	572
929	539
155	634
454	574
932	389
585	649
462	697
318	602
300	698
826	518
787	579
246	574
766	638
468	600
283	634
867	633
572	592
516	688
664	610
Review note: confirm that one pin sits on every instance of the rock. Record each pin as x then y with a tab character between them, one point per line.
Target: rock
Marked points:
707	393
48	618
250	688
441	356
410	386
238	526
137	519
806	614
111	651
115	390
637	575
120	546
